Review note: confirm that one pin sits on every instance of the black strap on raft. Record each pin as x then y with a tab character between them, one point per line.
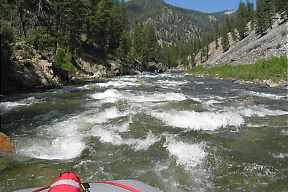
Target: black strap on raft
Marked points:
86	187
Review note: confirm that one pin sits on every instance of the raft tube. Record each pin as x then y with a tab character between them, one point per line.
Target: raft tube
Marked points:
115	186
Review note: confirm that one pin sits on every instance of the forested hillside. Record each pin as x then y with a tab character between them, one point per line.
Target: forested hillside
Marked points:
65	27
223	34
88	37
173	24
65	34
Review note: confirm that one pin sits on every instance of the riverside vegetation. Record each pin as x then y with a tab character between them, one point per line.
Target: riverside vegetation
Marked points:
274	68
46	43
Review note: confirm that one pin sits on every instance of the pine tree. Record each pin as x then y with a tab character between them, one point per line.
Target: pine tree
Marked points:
228	24
263	17
242	20
225	39
125	43
217	33
192	60
137	40
151	44
250	14
282	8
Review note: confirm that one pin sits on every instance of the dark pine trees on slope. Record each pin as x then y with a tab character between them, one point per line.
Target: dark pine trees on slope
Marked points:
145	47
263	16
242	20
217	33
69	25
225	38
151	49
282	8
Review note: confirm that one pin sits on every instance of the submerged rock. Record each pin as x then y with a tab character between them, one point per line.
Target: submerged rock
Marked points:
250	101
282	84
239	81
6	146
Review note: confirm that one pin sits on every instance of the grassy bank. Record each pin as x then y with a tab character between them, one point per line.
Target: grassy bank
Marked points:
274	68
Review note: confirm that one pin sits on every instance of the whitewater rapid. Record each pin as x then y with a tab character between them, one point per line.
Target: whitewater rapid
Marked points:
178	123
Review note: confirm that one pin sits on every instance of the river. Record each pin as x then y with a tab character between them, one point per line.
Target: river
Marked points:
175	133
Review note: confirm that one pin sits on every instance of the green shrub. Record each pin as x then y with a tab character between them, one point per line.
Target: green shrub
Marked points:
274	68
255	47
63	61
278	46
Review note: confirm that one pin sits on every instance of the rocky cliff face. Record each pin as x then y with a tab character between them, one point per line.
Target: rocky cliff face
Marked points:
30	70
28	74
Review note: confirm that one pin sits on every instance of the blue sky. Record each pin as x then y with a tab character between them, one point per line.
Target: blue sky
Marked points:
208	6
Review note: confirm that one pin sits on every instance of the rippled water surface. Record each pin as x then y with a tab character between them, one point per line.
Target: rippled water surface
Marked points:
176	133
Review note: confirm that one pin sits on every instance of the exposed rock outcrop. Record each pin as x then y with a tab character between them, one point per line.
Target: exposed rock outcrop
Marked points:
29	75
31	70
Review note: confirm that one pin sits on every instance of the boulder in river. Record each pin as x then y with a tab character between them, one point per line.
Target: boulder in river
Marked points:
250	101
6	146
282	84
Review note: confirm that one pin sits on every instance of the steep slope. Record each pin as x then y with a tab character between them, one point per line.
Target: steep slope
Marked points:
173	24
252	48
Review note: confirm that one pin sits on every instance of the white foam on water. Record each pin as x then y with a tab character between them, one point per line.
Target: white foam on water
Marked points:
267	95
260	111
63	90
199	120
257	125
101	117
47	116
106	135
109	96
110	136
61	141
280	155
120	83
113	95
209	100
83	163
187	155
159	97
9	105
123	127
199	82
262	170
143	144
284	132
172	83
115	83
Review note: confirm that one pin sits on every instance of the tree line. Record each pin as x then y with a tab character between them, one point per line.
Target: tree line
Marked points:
63	29
247	19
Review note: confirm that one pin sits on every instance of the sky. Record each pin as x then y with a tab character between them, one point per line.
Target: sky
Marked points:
208	6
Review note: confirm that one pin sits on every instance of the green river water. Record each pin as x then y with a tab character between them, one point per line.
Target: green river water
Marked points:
175	133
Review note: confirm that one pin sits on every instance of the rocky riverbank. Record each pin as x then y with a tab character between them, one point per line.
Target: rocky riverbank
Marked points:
31	70
282	84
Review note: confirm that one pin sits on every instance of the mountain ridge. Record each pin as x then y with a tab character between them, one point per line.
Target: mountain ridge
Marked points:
174	24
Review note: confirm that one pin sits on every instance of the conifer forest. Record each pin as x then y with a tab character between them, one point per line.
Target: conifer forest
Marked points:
127	31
